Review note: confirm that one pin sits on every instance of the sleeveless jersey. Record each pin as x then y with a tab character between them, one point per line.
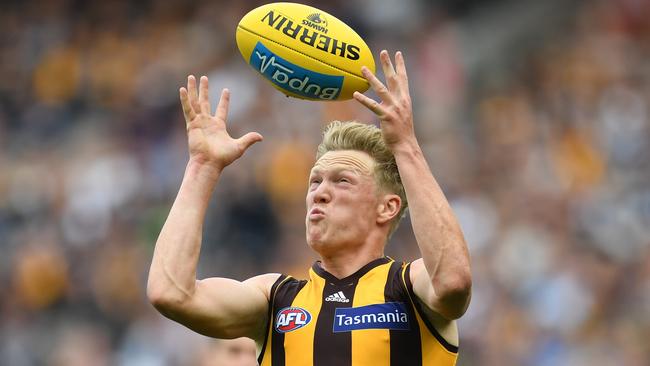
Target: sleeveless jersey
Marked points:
368	318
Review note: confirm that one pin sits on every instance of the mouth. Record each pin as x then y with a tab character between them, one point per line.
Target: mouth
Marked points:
316	213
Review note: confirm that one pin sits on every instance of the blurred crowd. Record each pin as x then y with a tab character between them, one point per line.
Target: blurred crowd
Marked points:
543	150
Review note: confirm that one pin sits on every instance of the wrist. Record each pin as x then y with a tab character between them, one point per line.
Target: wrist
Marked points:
407	149
202	170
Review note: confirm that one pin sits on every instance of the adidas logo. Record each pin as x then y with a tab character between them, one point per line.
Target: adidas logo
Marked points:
338	297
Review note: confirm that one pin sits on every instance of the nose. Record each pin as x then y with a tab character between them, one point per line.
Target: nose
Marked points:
322	193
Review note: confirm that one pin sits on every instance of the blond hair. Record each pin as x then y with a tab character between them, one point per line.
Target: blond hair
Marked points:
357	136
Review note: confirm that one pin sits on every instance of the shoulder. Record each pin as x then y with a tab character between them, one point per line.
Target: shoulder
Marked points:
265	282
416	267
401	273
272	283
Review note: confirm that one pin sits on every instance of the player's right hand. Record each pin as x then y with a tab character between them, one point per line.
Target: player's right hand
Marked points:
210	145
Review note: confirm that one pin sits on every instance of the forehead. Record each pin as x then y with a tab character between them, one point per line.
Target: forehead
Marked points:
358	161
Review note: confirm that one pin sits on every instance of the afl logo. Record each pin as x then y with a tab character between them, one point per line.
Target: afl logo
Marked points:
291	318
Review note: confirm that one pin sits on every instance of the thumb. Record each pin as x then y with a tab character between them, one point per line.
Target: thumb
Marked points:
248	139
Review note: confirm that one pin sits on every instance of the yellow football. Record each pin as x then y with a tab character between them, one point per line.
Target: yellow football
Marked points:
304	52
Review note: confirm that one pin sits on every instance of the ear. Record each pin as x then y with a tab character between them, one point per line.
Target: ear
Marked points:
388	208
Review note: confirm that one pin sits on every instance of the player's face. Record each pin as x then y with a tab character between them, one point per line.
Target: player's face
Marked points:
341	201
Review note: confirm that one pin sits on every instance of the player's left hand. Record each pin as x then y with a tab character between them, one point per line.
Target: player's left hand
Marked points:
395	112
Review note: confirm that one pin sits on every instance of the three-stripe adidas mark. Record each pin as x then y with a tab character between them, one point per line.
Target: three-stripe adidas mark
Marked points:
338	297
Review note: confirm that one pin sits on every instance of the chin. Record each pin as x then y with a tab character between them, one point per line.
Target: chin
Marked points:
317	242
314	241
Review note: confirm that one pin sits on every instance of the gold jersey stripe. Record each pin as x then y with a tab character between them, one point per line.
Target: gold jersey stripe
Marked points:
299	346
371	346
266	347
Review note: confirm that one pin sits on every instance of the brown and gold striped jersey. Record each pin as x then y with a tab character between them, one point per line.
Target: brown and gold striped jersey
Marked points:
368	318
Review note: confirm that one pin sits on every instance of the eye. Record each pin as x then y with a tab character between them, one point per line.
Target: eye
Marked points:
344	180
313	181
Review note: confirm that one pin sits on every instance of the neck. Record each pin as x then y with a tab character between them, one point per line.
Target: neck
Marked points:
343	264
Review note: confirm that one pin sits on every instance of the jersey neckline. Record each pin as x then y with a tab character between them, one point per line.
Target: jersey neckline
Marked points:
351	279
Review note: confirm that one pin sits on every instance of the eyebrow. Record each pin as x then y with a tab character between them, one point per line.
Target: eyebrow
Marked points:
335	170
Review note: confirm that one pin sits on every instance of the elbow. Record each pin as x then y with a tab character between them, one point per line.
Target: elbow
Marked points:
157	297
455	292
459	284
167	301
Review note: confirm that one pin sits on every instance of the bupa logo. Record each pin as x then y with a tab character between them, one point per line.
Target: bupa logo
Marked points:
293	78
290	319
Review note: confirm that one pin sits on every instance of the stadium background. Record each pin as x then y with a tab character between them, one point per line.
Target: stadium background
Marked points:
534	116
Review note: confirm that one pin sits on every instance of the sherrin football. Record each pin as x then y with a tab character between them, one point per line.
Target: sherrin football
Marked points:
304	52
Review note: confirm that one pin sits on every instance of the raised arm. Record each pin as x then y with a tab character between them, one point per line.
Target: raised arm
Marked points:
442	278
217	307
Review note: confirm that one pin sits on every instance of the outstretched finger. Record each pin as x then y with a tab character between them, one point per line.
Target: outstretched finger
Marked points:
401	71
204	97
193	93
188	111
222	108
377	85
369	103
389	71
